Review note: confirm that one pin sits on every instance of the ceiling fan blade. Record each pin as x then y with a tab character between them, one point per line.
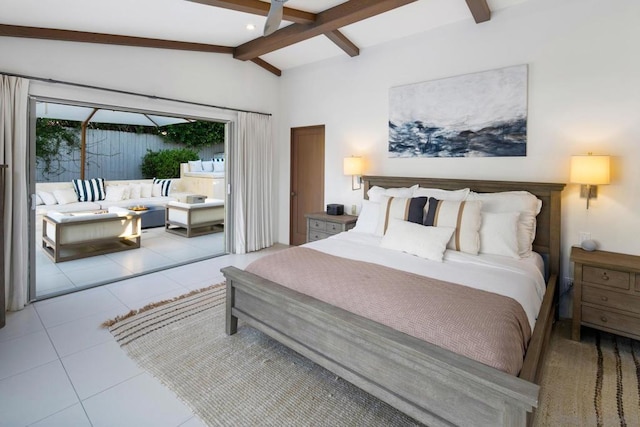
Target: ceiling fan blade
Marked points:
274	18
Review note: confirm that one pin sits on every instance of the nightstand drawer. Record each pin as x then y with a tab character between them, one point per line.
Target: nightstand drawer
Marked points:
605	276
333	228
607	319
317	225
607	298
317	235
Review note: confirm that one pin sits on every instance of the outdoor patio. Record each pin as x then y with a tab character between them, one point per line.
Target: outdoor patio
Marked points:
158	250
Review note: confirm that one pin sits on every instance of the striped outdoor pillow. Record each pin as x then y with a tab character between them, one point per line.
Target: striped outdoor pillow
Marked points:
464	216
89	190
165	186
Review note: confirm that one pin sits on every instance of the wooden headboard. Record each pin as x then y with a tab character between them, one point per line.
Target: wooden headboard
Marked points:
547	241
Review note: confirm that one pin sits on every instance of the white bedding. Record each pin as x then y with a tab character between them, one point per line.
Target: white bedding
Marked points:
520	279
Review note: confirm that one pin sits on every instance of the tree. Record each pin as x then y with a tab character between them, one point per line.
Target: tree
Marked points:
166	163
194	134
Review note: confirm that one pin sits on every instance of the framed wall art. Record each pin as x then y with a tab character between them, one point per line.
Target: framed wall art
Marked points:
475	115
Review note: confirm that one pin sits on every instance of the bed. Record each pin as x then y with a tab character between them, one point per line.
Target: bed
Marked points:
431	384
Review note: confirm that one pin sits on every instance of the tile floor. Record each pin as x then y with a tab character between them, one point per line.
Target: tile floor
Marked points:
58	367
159	249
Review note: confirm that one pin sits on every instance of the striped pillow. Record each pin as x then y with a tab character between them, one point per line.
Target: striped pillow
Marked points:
89	190
165	186
403	208
464	216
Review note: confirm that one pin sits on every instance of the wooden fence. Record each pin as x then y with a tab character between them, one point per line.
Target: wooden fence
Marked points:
112	155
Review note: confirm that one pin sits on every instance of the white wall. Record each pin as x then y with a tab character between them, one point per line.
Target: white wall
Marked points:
207	78
584	95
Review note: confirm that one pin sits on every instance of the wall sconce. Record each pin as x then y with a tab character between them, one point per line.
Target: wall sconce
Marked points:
353	166
590	171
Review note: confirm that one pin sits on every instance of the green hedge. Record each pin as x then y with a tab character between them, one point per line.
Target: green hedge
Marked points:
166	163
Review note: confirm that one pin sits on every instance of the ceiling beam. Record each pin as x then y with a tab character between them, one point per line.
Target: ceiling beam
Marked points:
258	7
84	37
264	64
480	10
330	20
343	43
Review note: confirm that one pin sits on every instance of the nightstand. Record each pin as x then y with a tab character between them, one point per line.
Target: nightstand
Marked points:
606	292
320	225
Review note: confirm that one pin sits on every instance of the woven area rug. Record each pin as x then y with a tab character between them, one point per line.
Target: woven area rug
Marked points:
245	379
594	382
249	379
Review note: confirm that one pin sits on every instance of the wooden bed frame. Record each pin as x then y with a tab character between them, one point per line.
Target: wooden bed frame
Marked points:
433	385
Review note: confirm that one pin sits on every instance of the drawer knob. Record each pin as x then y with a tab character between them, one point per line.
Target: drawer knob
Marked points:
604	298
604	276
604	319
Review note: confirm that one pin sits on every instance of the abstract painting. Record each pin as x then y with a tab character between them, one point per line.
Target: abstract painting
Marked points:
475	115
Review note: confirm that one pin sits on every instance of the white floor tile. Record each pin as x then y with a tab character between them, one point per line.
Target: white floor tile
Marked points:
70	417
34	395
140	401
141	260
80	334
80	264
98	368
24	353
142	288
78	305
20	323
51	282
107	270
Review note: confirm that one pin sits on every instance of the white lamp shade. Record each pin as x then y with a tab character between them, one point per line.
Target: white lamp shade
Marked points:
592	170
353	165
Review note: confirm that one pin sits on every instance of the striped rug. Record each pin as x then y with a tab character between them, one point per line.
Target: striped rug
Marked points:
249	379
595	382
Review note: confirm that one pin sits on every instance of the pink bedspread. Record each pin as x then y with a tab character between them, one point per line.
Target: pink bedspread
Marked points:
490	328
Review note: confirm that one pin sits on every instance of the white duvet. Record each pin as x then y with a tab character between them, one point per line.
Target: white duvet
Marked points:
522	280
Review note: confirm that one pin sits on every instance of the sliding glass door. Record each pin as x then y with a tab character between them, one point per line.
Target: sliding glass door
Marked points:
139	176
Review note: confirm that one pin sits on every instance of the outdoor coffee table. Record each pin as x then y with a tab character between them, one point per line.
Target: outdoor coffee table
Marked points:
151	216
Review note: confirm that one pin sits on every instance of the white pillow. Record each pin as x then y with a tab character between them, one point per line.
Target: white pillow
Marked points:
376	193
207	165
38	200
218	165
499	234
115	193
146	190
195	165
416	239
156	190
47	198
368	219
453	195
463	216
514	201
126	193
65	196
135	191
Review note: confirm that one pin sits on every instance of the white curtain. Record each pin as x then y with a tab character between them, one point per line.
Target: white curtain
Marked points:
13	140
252	191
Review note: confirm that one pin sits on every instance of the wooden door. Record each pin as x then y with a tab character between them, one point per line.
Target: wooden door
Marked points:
307	179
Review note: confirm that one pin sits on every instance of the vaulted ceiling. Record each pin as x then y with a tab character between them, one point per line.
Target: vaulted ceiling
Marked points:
311	30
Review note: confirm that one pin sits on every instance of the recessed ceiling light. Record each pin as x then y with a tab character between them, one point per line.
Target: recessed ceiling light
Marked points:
251	27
